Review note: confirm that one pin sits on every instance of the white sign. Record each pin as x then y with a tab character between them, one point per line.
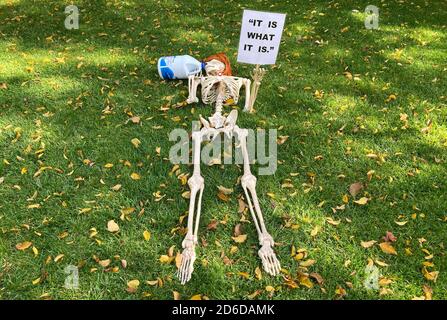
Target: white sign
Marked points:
260	37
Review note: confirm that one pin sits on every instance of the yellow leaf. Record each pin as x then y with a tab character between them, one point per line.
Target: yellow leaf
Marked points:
85	210
136	142
307	263
224	190
345	198
133	284
269	289
176	295
59	257
368	244
104	263
146	235
401	223
388	248
431	276
332	221
362	201
152	282
135	176
108	165
196	297
240	238
23	245
258	273
112	226
305	281
36	281
36	252
315	231
116	187
166	259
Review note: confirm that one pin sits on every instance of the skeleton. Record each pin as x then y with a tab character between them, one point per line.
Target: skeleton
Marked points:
218	89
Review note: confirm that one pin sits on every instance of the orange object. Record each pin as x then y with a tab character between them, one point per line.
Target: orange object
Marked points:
222	57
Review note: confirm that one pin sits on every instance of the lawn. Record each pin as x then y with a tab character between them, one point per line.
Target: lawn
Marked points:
358	106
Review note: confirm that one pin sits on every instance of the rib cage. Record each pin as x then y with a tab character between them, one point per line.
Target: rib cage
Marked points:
231	88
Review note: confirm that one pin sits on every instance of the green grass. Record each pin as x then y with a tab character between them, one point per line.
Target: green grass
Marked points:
60	82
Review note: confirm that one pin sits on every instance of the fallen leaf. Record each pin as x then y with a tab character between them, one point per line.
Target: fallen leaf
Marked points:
136	142
332	221
428	292
59	257
176	295
133	285
355	188
389	237
23	245
388	248
146	235
282	139
104	263
307	263
112	226
135	176
224	190
368	244
135	119
238	230
116	187
362	201
258	273
222	196
240	238
431	276
166	259
315	231
317	277
212	225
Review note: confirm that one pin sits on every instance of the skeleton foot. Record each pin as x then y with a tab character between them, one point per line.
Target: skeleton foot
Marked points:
187	266
269	261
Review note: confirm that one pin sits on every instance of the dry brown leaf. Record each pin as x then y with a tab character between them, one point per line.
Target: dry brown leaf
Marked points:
222	196
355	188
23	245
212	225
